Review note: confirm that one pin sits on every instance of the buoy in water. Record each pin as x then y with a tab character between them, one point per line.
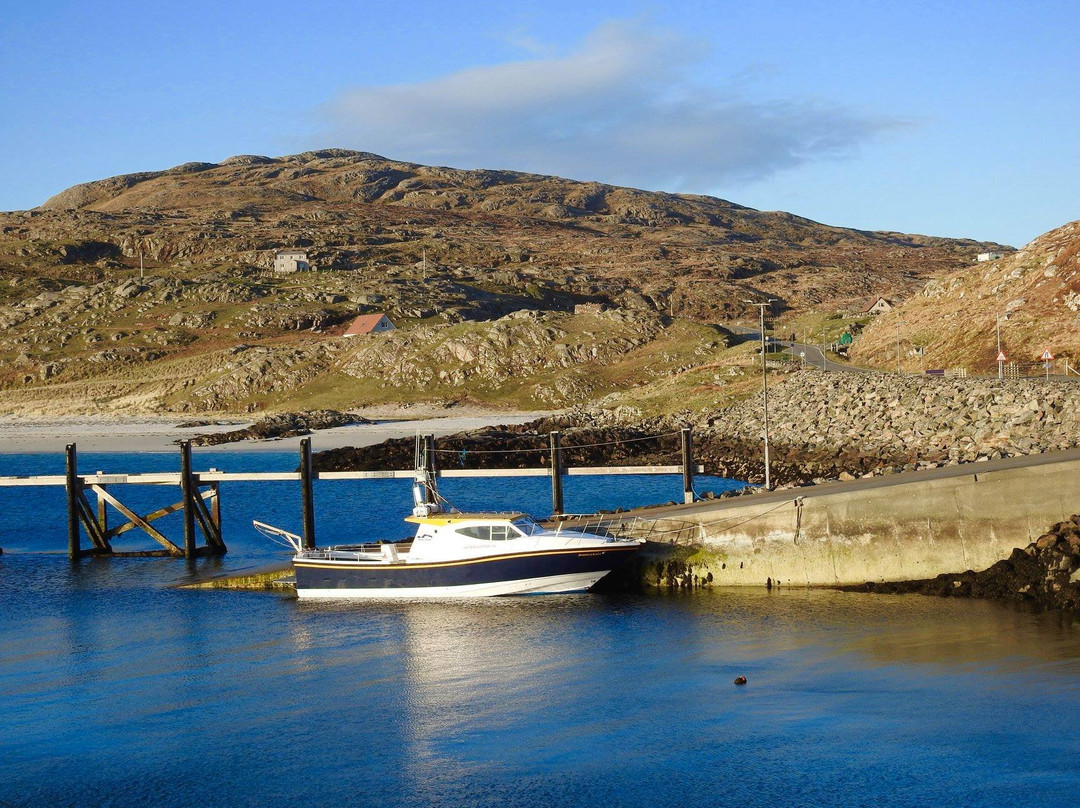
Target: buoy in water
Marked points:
740	680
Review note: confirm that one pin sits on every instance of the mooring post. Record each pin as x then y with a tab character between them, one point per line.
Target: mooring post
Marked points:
556	475
74	488
429	452
307	495
102	513
187	491
687	465
215	513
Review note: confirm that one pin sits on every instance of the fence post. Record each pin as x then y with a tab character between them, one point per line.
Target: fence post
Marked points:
687	465
556	475
73	485
307	495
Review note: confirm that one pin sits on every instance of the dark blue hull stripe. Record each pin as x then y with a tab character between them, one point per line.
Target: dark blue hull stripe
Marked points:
487	571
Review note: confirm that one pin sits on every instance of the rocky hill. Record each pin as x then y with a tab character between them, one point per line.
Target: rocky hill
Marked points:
448	254
1035	291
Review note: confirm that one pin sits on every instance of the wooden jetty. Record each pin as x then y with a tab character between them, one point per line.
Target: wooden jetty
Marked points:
200	495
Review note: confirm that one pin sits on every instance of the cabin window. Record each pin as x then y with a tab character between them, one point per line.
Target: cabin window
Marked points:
483	532
489	532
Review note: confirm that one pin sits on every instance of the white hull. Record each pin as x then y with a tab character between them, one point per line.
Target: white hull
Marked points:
550	585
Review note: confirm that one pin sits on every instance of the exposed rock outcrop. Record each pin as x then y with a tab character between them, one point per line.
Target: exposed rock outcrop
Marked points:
283	425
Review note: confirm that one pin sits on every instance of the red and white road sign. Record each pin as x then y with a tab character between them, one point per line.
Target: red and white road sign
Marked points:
1047	356
1001	356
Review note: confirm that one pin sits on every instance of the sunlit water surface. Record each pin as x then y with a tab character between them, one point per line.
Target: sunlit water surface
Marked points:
116	690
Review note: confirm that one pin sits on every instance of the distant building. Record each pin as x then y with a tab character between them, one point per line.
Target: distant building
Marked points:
288	261
876	305
988	256
369	324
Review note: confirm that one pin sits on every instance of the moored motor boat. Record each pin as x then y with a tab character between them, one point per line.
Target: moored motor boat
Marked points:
455	554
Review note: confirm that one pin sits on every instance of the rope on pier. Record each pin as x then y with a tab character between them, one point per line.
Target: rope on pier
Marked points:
759	515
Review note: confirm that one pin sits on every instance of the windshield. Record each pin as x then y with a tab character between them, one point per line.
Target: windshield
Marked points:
526	525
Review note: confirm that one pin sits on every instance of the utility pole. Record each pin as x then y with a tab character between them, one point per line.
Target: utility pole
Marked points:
1001	371
765	385
823	349
898	324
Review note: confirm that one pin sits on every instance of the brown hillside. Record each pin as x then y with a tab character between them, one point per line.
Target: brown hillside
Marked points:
491	316
693	255
1036	290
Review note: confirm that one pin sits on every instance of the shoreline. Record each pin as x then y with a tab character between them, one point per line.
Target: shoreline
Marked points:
150	434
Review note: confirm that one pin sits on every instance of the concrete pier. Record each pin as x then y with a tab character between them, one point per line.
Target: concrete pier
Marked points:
892	528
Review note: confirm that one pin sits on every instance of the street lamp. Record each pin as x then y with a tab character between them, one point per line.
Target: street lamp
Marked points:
764	385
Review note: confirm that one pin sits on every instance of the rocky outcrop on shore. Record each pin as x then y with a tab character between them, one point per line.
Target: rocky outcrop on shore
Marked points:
1046	572
283	425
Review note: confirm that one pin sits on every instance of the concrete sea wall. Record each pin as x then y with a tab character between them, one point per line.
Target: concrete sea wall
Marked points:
905	527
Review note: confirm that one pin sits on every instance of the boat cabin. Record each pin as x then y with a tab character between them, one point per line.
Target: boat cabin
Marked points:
442	535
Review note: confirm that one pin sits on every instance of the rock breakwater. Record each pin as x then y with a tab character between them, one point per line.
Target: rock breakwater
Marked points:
826	425
822	426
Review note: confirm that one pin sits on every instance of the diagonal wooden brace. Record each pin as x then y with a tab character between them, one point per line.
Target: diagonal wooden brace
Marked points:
139	521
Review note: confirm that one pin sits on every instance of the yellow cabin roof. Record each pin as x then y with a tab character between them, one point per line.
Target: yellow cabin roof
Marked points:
456	518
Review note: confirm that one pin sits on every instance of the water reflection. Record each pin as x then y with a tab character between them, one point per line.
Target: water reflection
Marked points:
121	692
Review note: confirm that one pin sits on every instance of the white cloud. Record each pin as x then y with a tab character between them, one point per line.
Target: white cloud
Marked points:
618	109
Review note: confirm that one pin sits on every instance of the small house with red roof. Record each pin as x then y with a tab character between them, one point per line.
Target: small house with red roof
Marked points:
369	324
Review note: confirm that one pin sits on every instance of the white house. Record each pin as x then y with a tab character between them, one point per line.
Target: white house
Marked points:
988	256
288	261
876	305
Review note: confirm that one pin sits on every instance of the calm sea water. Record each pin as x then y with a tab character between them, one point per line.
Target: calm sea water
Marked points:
118	691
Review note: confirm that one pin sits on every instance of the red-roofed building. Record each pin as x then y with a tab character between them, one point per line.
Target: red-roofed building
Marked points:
369	324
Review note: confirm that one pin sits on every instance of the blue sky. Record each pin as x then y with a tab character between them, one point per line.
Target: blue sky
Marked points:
946	118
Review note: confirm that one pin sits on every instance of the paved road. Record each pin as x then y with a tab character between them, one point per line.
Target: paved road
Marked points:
814	356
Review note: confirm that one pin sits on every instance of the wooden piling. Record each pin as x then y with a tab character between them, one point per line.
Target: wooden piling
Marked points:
687	465
215	513
187	490
307	495
74	487
102	515
429	452
556	475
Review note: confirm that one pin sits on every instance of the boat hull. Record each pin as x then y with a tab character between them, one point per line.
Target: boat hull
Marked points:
541	572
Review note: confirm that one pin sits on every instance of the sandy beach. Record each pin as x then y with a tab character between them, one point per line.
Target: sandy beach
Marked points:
146	434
